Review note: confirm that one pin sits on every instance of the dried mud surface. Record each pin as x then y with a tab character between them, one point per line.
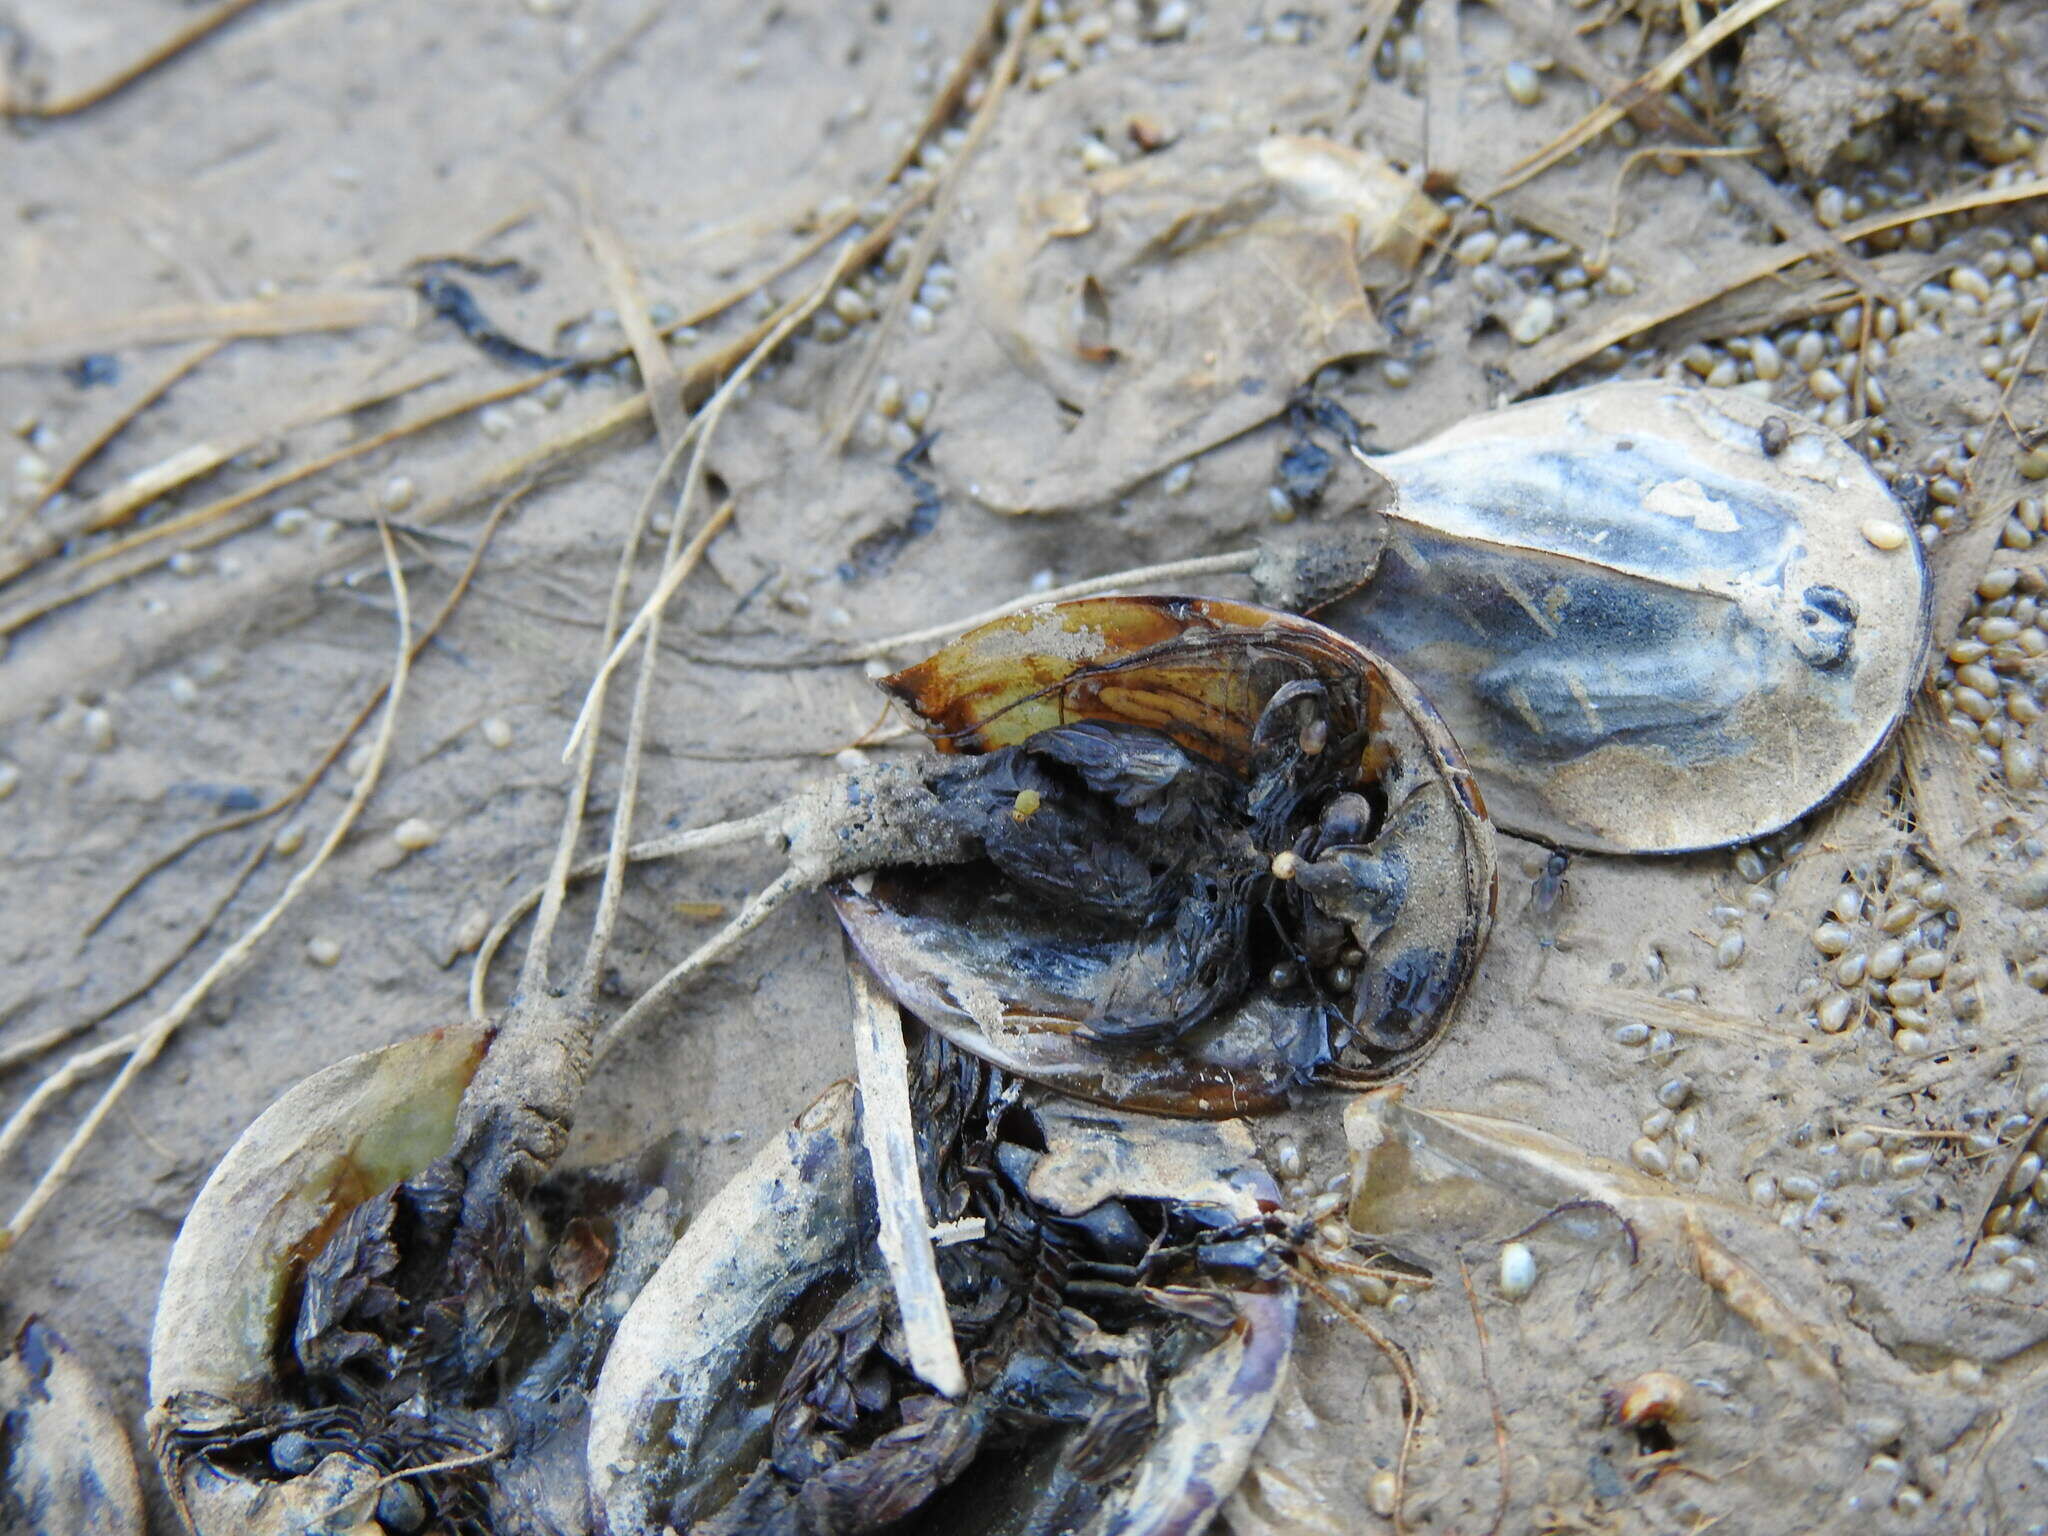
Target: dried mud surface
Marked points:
328	146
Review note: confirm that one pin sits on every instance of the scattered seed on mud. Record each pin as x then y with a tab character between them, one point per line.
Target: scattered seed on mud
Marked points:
414	834
323	950
1517	1271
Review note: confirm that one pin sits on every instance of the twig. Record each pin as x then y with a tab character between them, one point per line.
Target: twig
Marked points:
891	1139
220	520
534	969
29	1047
2018	371
1790	218
1000	77
148	1042
119	504
153	59
1500	1423
600	61
1633	159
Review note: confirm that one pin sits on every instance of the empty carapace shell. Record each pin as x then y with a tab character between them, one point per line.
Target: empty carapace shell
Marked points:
1023	981
347	1133
1656	617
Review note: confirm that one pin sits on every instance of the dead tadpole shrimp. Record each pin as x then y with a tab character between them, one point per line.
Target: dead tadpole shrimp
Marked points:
1656	617
1124	1321
1220	852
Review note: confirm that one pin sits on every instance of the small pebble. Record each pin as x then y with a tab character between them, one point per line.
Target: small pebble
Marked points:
496	730
1517	1271
415	833
323	951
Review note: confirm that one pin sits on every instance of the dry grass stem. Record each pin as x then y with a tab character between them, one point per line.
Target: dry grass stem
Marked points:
1652	82
1000	77
197	30
145	1044
283	314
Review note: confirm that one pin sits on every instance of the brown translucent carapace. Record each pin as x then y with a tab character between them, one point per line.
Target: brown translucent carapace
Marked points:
1336	878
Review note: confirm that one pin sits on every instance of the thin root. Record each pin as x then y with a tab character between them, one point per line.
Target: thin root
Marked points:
153	59
723	835
1500	1423
756	912
146	1043
1396	1357
334	751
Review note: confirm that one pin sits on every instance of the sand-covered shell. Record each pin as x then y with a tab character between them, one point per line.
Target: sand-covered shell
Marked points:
1023	981
1656	617
686	1392
340	1137
65	1462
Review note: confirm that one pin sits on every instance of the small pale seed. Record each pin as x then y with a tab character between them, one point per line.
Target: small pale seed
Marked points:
415	833
1517	1271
